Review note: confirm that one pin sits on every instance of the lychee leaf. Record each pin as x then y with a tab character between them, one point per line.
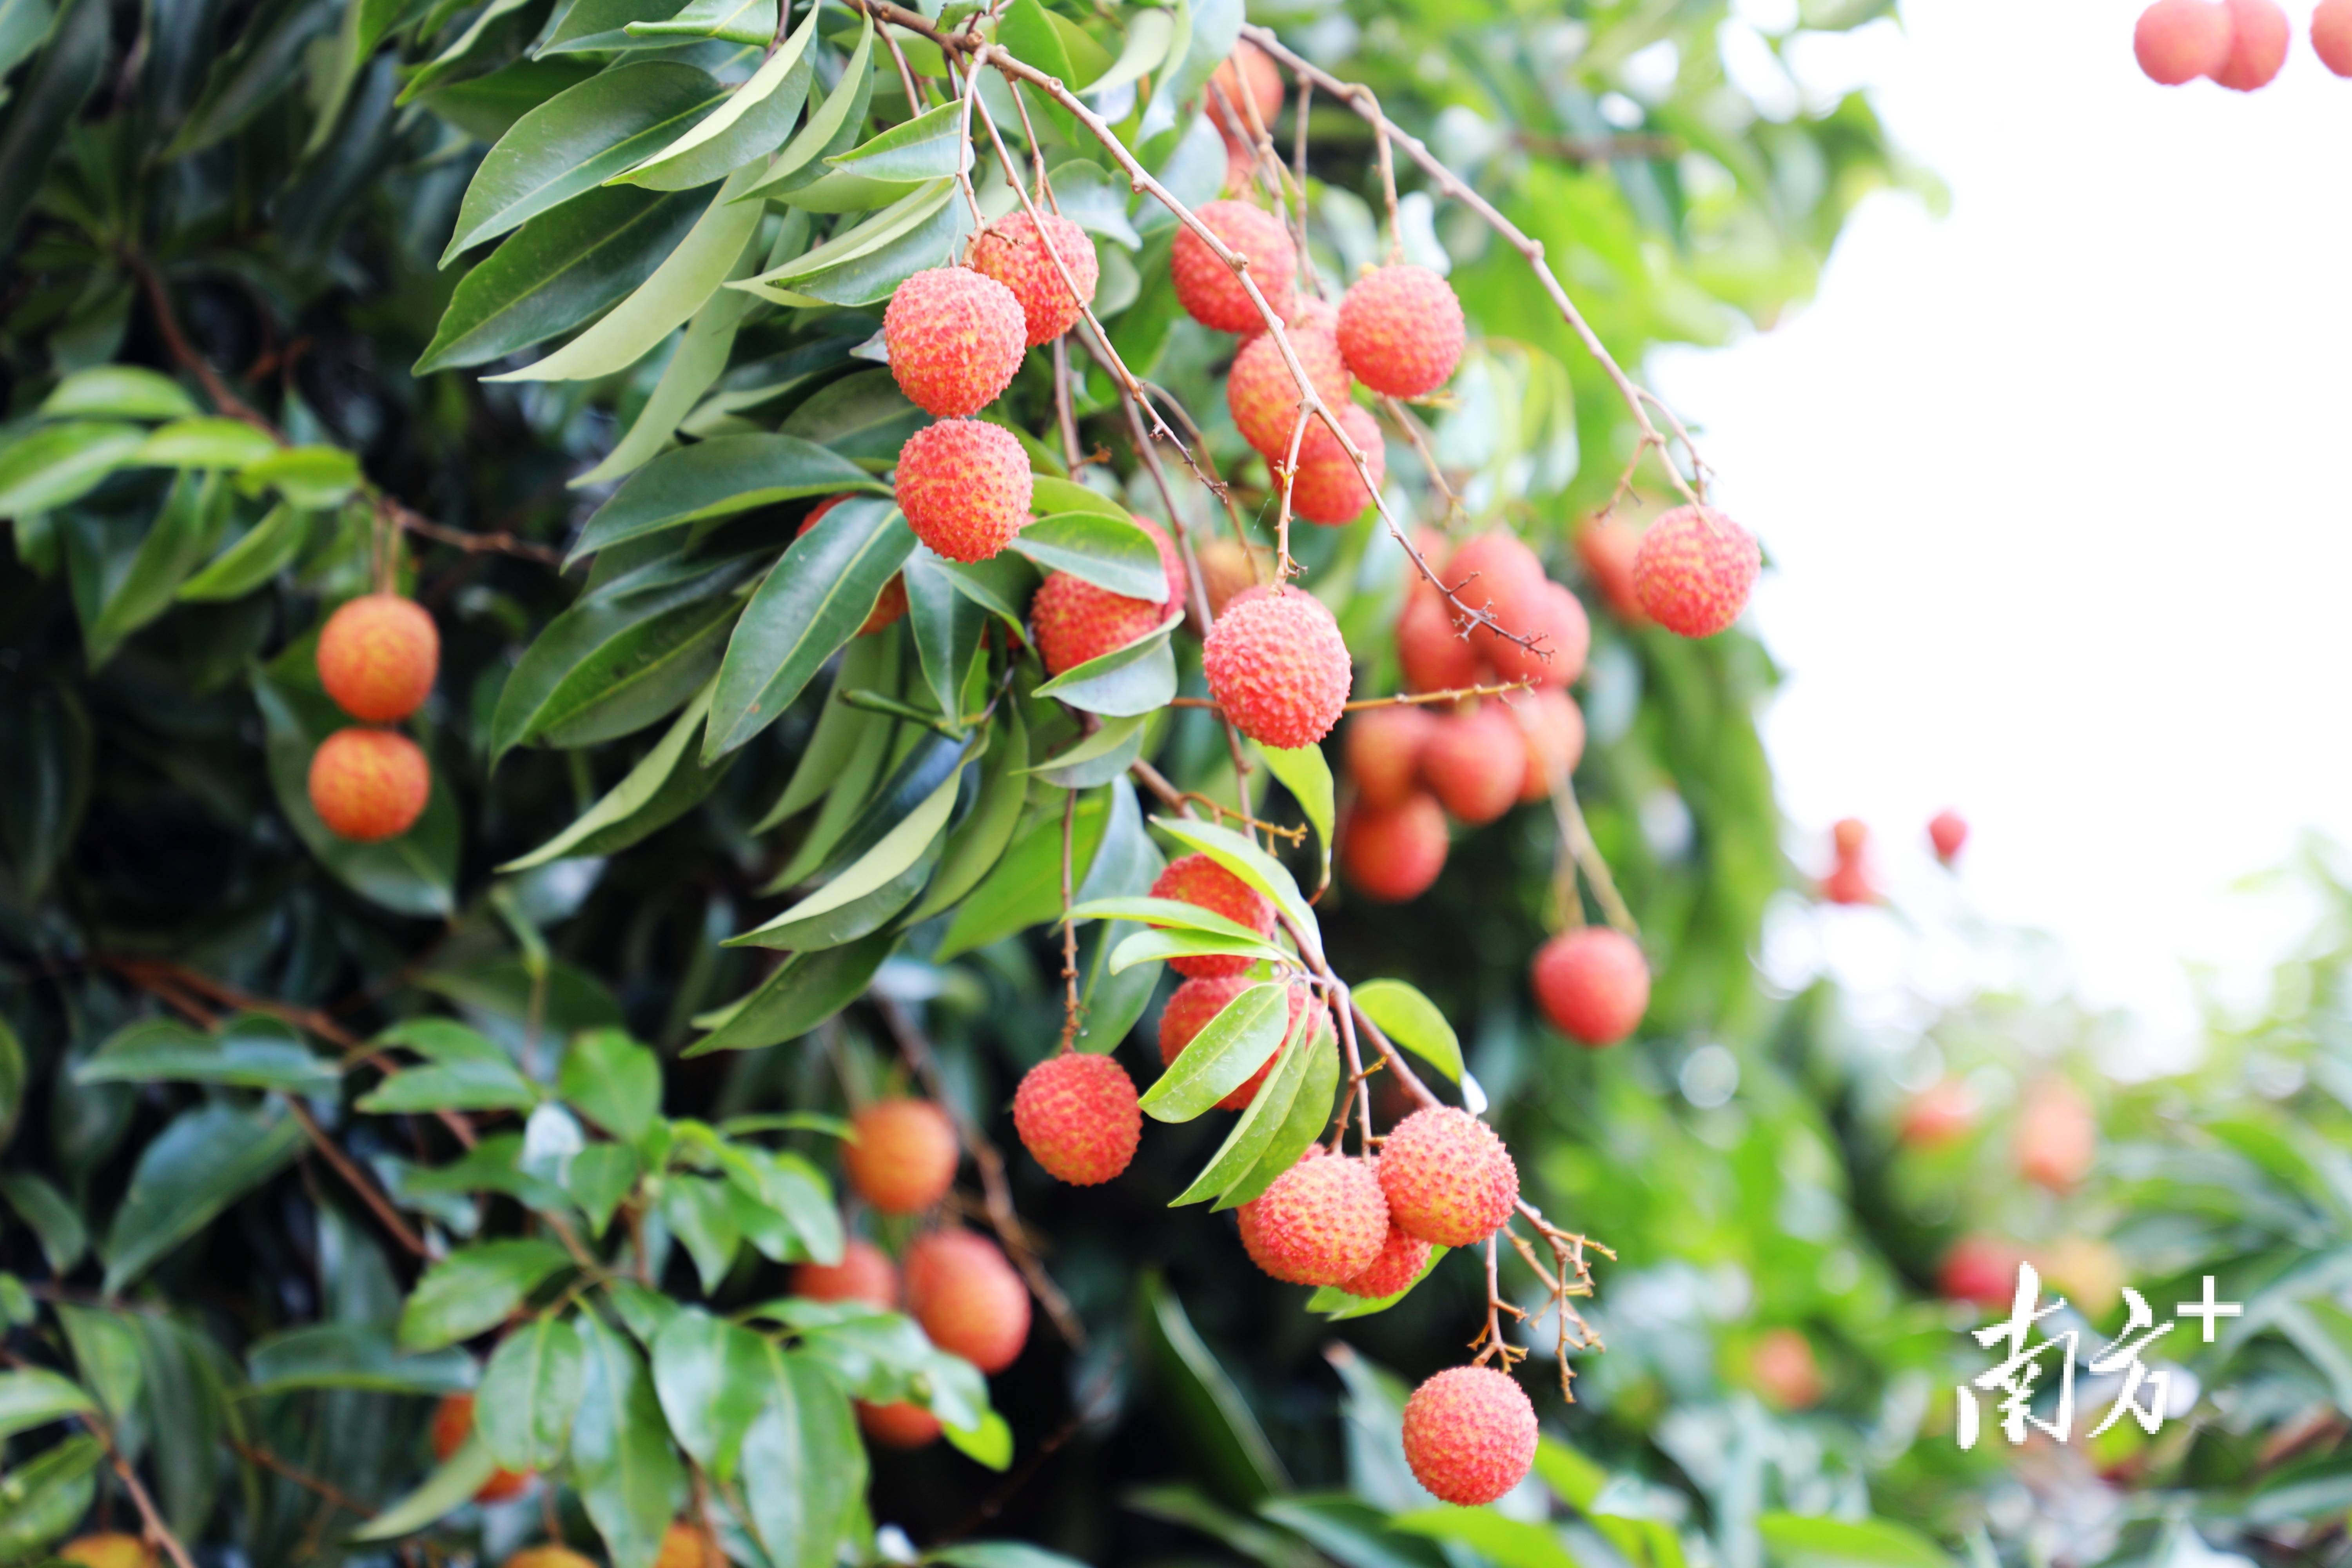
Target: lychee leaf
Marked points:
1095	759
1307	774
1173	912
1412	1021
927	147
1109	551
1266	1116
530	1392
1157	946
1136	678
876	886
1049	497
831	127
976	843
1310	1114
448	1489
1251	863
805	990
717	478
1223	1056
755	120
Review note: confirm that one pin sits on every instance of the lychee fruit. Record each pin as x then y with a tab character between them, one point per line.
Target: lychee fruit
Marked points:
1392	854
1194	1004
2258	41
968	1297
1496	572
2057	1138
1239	167
108	1550
1553	728
1474	763
1077	1114
1199	880
2331	35
1075	620
1328	488
1252	71
1847	837
863	1274
1447	1177
369	784
545	1556
1948	830
964	487
955	336
453	1422
1208	289
1469	1434
1849	884
1983	1270
1432	652
377	656
1607	547
1225	570
2180	40
1402	1258
1320	1222
1383	752
1401	329
888	605
1594	985
1278	668
899	1425
1694	570
1263	396
901	1154
1563	635
1013	250
1784	1370
683	1545
1938	1114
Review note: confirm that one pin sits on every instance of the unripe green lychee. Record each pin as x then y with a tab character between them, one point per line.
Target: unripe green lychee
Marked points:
1432	652
863	1274
1474	763
1208	289
1393	855
1076	1115
1469	1434
964	487
968	1299
901	1154
1553	727
955	336
2331	35
369	784
1594	985
1194	1004
1607	546
2258	42
1382	750
1320	1222
2180	40
1563	636
1328	488
1400	1259
1075	620
890	602
1278	666
377	656
899	1425
1199	880
1447	1177
1401	329
1263	396
1694	570
1013	250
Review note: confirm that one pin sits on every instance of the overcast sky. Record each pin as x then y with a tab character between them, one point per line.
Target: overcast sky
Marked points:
2053	485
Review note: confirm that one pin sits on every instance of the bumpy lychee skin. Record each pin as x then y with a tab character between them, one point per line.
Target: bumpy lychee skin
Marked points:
369	784
1075	620
901	1154
1948	830
863	1274
453	1422
1320	1222
2258	41
1474	763
1432	652
1695	568
377	656
964	487
1263	396
967	1297
1401	329
2180	40
1447	1177
1013	250
955	336
1563	635
1382	750
1208	289
1607	547
1197	879
1402	1258
1392	855
899	1425
1328	488
890	603
1195	1003
1594	985
1553	728
109	1549
1278	666
1076	1115
2331	35
1469	1434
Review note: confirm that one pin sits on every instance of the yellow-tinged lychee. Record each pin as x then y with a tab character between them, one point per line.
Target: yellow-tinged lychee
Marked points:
683	1545
378	655
955	336
1076	1115
967	1298
111	1549
964	487
369	784
1278	666
901	1154
1448	1178
1469	1434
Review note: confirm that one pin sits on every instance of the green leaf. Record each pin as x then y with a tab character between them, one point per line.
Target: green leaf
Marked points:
600	1175
628	1477
42	796
1307	774
803	1468
755	120
976	843
849	744
701	1214
927	147
186	529
706	1372
352	1355
599	24
1139	678
946	625
1157	946
665	784
576	141
1267	1113
55	1221
312	477
1221	1058
469	1072
1149	36
12	1081
1251	863
33	1397
1412	1021
619	660
415	874
1053	496
475	1289
717	478
1001	1554
1800	1540
865	263
68	68
1095	759
1174	912
815	921
118	391
613	1082
204	442
267	548
557	270
530	1393
450	1486
1108	552
863	418
701	354
1026	29
1202	1401
54	464
250	1051
831	127
731	21
45	1497
205	1161
805	990
486	107
1025	886
1309	1116
1506	1542
1338	1306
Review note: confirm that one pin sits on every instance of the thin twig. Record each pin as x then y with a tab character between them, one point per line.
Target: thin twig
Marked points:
157	1532
256	1455
1069	926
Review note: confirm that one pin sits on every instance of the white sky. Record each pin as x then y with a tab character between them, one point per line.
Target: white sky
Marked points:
2053	487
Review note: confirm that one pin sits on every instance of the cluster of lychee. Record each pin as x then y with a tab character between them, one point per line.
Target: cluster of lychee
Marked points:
2053	1142
2238	44
1849	882
378	656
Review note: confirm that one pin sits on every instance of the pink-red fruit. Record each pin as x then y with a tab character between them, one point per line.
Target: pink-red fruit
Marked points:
964	487
1553	727
2057	1137
1607	547
1982	1269
1402	1258
955	337
1383	749
1939	1114
2180	40
1401	329
1391	855
1263	396
1594	985
1320	1222
1252	71
1208	289
1278	668
899	1425
1432	652
1474	763
863	1274
1948	830
1328	488
1447	1177
2331	35
1075	620
1077	1114
967	1298
1694	570
1198	880
369	784
377	656
2259	34
1562	633
1013	252
1469	1434
1784	1369
901	1156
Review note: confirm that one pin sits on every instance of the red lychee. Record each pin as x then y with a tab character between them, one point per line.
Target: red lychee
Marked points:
1402	1258
1199	880
1939	1114
1847	837
1497	572
1195	1003
1077	1114
901	1154
964	487
1278	668
1318	1222
1263	396
1983	1270
863	1274
1594	985
968	1297
2057	1138
453	1422
1432	652
369	784
377	656
1208	289
1252	71
1474	763
1695	568
1401	329
955	337
2180	40
1469	1434
888	605
1447	1177
1383	751
1553	728
1392	854
1328	488
1013	250
1607	547
899	1425
1784	1370
1225	570
1564	638
2259	34
1849	884
2331	35
1948	830
1075	620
